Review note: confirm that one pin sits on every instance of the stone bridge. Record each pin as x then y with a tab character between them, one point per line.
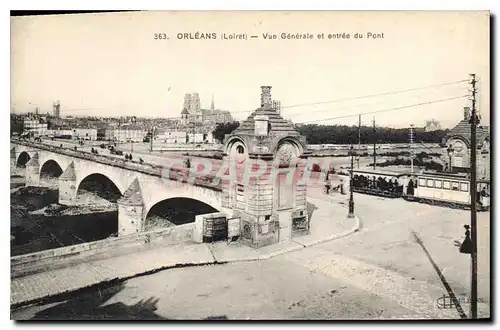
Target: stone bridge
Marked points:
141	186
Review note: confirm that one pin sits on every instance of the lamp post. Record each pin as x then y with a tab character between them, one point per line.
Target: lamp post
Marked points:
351	196
450	152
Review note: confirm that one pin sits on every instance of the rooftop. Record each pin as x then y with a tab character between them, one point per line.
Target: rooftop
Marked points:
394	173
463	130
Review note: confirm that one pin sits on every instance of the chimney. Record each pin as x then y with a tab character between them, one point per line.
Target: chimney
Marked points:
467	113
265	97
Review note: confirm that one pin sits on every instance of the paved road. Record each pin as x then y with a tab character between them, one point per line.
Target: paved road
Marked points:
379	272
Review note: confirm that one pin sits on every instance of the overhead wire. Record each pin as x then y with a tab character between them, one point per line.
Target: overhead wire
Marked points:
385	110
305	104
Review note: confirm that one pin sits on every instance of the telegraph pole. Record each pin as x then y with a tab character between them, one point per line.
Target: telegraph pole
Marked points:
351	195
473	191
194	132
151	139
411	147
359	139
374	146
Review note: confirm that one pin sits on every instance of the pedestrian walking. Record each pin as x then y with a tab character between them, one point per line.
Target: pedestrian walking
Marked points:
327	187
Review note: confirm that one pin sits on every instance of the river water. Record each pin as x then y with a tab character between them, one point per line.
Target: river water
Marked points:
33	231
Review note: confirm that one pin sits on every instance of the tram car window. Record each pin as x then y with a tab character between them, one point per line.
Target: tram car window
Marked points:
439	184
421	182
454	185
464	186
430	183
446	185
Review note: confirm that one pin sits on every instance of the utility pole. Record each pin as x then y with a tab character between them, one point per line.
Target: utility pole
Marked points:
194	132
351	196
151	139
119	131
411	147
473	191
374	146
359	139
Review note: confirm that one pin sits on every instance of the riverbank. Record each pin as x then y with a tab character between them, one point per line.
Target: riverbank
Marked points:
39	223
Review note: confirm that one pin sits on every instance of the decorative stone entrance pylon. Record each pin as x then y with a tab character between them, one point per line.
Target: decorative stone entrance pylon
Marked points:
266	158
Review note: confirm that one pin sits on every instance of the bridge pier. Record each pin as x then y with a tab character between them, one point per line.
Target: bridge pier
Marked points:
67	186
13	157
130	211
33	171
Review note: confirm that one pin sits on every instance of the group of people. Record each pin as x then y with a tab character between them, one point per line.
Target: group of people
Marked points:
380	183
329	187
480	195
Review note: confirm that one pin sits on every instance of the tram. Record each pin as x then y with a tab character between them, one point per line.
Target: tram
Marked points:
447	189
434	188
379	183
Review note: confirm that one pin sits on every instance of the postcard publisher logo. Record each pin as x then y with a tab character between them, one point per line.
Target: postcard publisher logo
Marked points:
447	302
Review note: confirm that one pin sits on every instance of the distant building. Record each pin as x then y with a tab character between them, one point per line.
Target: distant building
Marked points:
85	134
192	112
458	140
60	133
16	124
192	107
200	138
57	109
432	125
216	116
185	117
35	125
170	136
125	134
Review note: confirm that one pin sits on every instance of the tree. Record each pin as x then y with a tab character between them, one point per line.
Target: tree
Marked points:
224	128
342	134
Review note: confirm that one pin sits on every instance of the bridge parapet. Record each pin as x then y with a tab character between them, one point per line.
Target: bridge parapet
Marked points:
174	173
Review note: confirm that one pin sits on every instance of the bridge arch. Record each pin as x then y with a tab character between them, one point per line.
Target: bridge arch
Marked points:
22	159
101	185
175	211
50	169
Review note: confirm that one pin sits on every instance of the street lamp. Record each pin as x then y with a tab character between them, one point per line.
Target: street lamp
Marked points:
351	197
450	152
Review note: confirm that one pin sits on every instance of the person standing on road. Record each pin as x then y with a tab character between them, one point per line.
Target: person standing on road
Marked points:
327	186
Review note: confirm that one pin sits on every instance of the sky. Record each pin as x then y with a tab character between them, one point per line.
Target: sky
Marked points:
111	65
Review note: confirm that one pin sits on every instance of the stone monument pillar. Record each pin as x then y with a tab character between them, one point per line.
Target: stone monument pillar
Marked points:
266	189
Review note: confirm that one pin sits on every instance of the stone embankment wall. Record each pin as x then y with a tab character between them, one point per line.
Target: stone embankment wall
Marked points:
103	249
